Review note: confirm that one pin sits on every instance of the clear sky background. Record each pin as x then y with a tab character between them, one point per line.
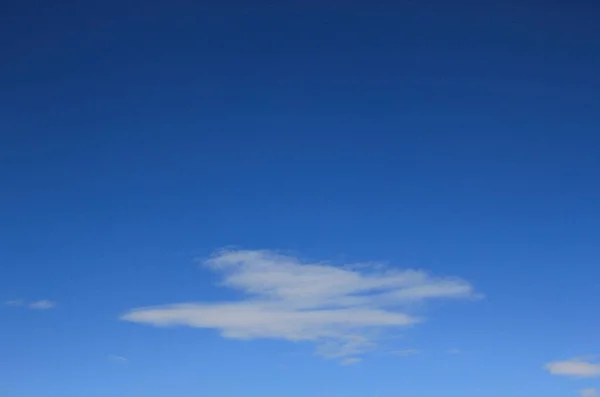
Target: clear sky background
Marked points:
347	143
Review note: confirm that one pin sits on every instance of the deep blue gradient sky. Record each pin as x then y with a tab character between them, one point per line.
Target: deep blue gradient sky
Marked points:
463	139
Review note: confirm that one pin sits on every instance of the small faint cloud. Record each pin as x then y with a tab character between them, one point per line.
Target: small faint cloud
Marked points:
454	351
42	305
122	359
350	361
575	368
36	305
589	392
404	352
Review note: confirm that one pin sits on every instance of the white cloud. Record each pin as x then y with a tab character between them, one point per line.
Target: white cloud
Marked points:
118	358
589	392
454	351
575	367
42	305
339	308
37	305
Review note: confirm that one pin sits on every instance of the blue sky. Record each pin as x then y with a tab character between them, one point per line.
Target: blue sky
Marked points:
299	200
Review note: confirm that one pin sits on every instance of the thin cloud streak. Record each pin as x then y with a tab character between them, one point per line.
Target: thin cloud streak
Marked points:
405	352
15	303
350	361
37	305
42	305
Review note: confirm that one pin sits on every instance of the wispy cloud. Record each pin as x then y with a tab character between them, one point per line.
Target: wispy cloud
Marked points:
350	361
36	305
404	352
340	308
15	303
589	392
575	367
42	305
118	358
454	351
